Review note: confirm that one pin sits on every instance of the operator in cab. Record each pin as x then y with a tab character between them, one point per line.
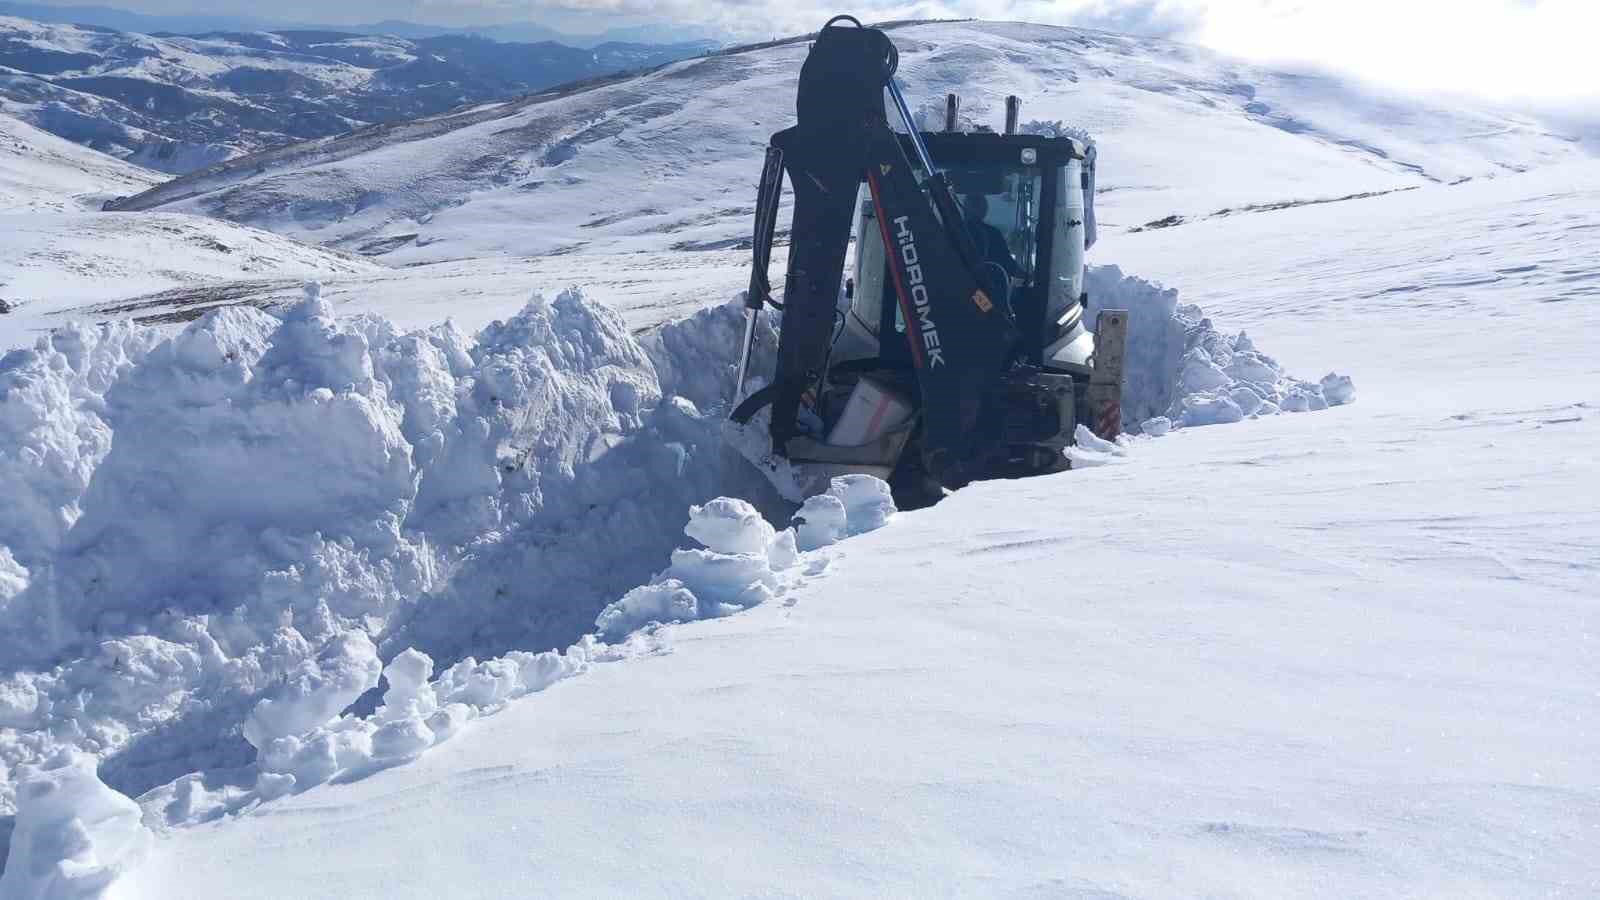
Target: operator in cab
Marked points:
991	244
990	240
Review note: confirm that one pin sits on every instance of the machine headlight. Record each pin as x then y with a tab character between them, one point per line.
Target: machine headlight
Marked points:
1029	156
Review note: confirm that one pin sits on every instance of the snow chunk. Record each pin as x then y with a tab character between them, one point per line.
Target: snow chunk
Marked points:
317	691
1089	449
74	836
739	570
409	695
19	701
416	715
1201	374
667	600
1338	389
727	525
13	577
822	520
480	684
401	739
784	551
727	581
1202	409
447	721
868	502
853	504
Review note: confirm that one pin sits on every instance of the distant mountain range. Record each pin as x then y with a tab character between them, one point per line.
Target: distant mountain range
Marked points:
669	160
194	23
176	103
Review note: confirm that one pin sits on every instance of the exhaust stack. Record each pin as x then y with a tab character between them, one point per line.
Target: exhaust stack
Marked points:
951	104
1013	109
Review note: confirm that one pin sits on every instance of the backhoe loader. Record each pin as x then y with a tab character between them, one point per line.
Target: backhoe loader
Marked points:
957	350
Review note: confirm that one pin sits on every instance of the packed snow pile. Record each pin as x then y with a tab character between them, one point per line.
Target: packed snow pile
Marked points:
263	506
73	836
1181	371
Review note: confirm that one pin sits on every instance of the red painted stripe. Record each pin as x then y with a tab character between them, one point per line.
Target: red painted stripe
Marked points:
877	414
894	270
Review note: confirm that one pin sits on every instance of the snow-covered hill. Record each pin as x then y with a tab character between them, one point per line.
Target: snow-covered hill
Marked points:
177	103
56	255
40	172
669	160
1343	653
100	265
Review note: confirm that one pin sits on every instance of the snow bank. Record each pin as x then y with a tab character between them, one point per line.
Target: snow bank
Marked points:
1181	371
74	836
211	539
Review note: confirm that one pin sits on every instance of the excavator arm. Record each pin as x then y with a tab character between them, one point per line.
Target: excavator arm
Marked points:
961	334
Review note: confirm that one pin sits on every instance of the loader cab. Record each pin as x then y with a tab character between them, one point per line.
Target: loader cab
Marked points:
1028	204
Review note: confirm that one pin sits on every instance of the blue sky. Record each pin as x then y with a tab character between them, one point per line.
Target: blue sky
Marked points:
1510	50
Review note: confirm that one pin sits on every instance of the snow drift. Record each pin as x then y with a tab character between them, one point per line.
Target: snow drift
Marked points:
217	540
1181	370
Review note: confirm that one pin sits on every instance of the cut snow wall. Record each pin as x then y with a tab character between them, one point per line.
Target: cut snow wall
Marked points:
281	484
1181	371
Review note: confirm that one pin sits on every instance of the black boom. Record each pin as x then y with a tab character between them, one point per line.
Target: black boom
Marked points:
961	335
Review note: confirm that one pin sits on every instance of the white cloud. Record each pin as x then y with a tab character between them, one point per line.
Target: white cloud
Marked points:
1505	49
1529	50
